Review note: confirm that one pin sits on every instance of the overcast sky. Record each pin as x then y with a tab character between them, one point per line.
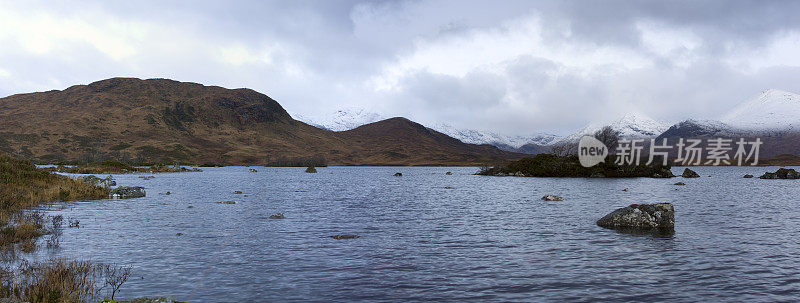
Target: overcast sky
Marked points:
514	67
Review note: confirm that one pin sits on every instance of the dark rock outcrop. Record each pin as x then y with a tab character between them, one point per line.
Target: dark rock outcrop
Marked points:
782	173
679	183
277	216
748	176
127	192
398	174
548	165
688	173
552	198
340	237
311	170
641	217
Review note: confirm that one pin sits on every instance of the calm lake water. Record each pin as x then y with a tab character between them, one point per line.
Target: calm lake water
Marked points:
430	236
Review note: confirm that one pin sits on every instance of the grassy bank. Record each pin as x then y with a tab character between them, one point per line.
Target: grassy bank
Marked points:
114	167
22	185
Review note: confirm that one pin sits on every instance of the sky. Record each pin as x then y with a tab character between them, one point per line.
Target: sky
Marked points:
513	67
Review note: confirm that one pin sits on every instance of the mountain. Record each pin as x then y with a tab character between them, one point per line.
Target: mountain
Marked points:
772	110
772	116
425	146
631	126
161	120
496	139
342	120
350	118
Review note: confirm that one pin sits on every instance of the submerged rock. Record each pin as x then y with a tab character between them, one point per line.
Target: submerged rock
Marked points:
641	217
146	177
688	173
127	192
552	198
277	216
597	175
227	202
340	237
398	174
748	176
679	183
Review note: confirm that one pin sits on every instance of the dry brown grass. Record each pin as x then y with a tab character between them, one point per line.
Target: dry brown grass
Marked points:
55	280
22	185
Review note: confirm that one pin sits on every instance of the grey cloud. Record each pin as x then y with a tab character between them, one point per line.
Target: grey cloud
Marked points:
330	51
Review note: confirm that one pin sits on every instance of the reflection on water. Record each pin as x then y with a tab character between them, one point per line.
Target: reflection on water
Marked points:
431	236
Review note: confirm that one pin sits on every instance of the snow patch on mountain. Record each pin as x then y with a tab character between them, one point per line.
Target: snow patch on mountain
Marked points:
632	126
483	137
772	110
342	120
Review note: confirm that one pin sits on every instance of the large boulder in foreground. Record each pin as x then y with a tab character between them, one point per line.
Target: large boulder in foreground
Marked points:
782	173
688	173
127	192
644	217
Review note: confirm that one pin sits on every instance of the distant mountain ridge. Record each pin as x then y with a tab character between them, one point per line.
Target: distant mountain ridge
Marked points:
773	114
631	125
350	118
166	121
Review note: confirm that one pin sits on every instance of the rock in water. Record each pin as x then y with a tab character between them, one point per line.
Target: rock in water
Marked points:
782	173
91	179
237	192
398	174
277	216
253	170
127	192
552	198
680	183
688	173
448	173
645	217
340	237
311	170
748	176
768	175
227	202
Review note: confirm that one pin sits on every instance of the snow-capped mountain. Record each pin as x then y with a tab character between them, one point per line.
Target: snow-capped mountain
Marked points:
772	110
632	126
483	137
346	119
341	120
692	128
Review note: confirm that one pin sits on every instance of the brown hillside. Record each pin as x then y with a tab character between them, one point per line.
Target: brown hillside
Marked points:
160	120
